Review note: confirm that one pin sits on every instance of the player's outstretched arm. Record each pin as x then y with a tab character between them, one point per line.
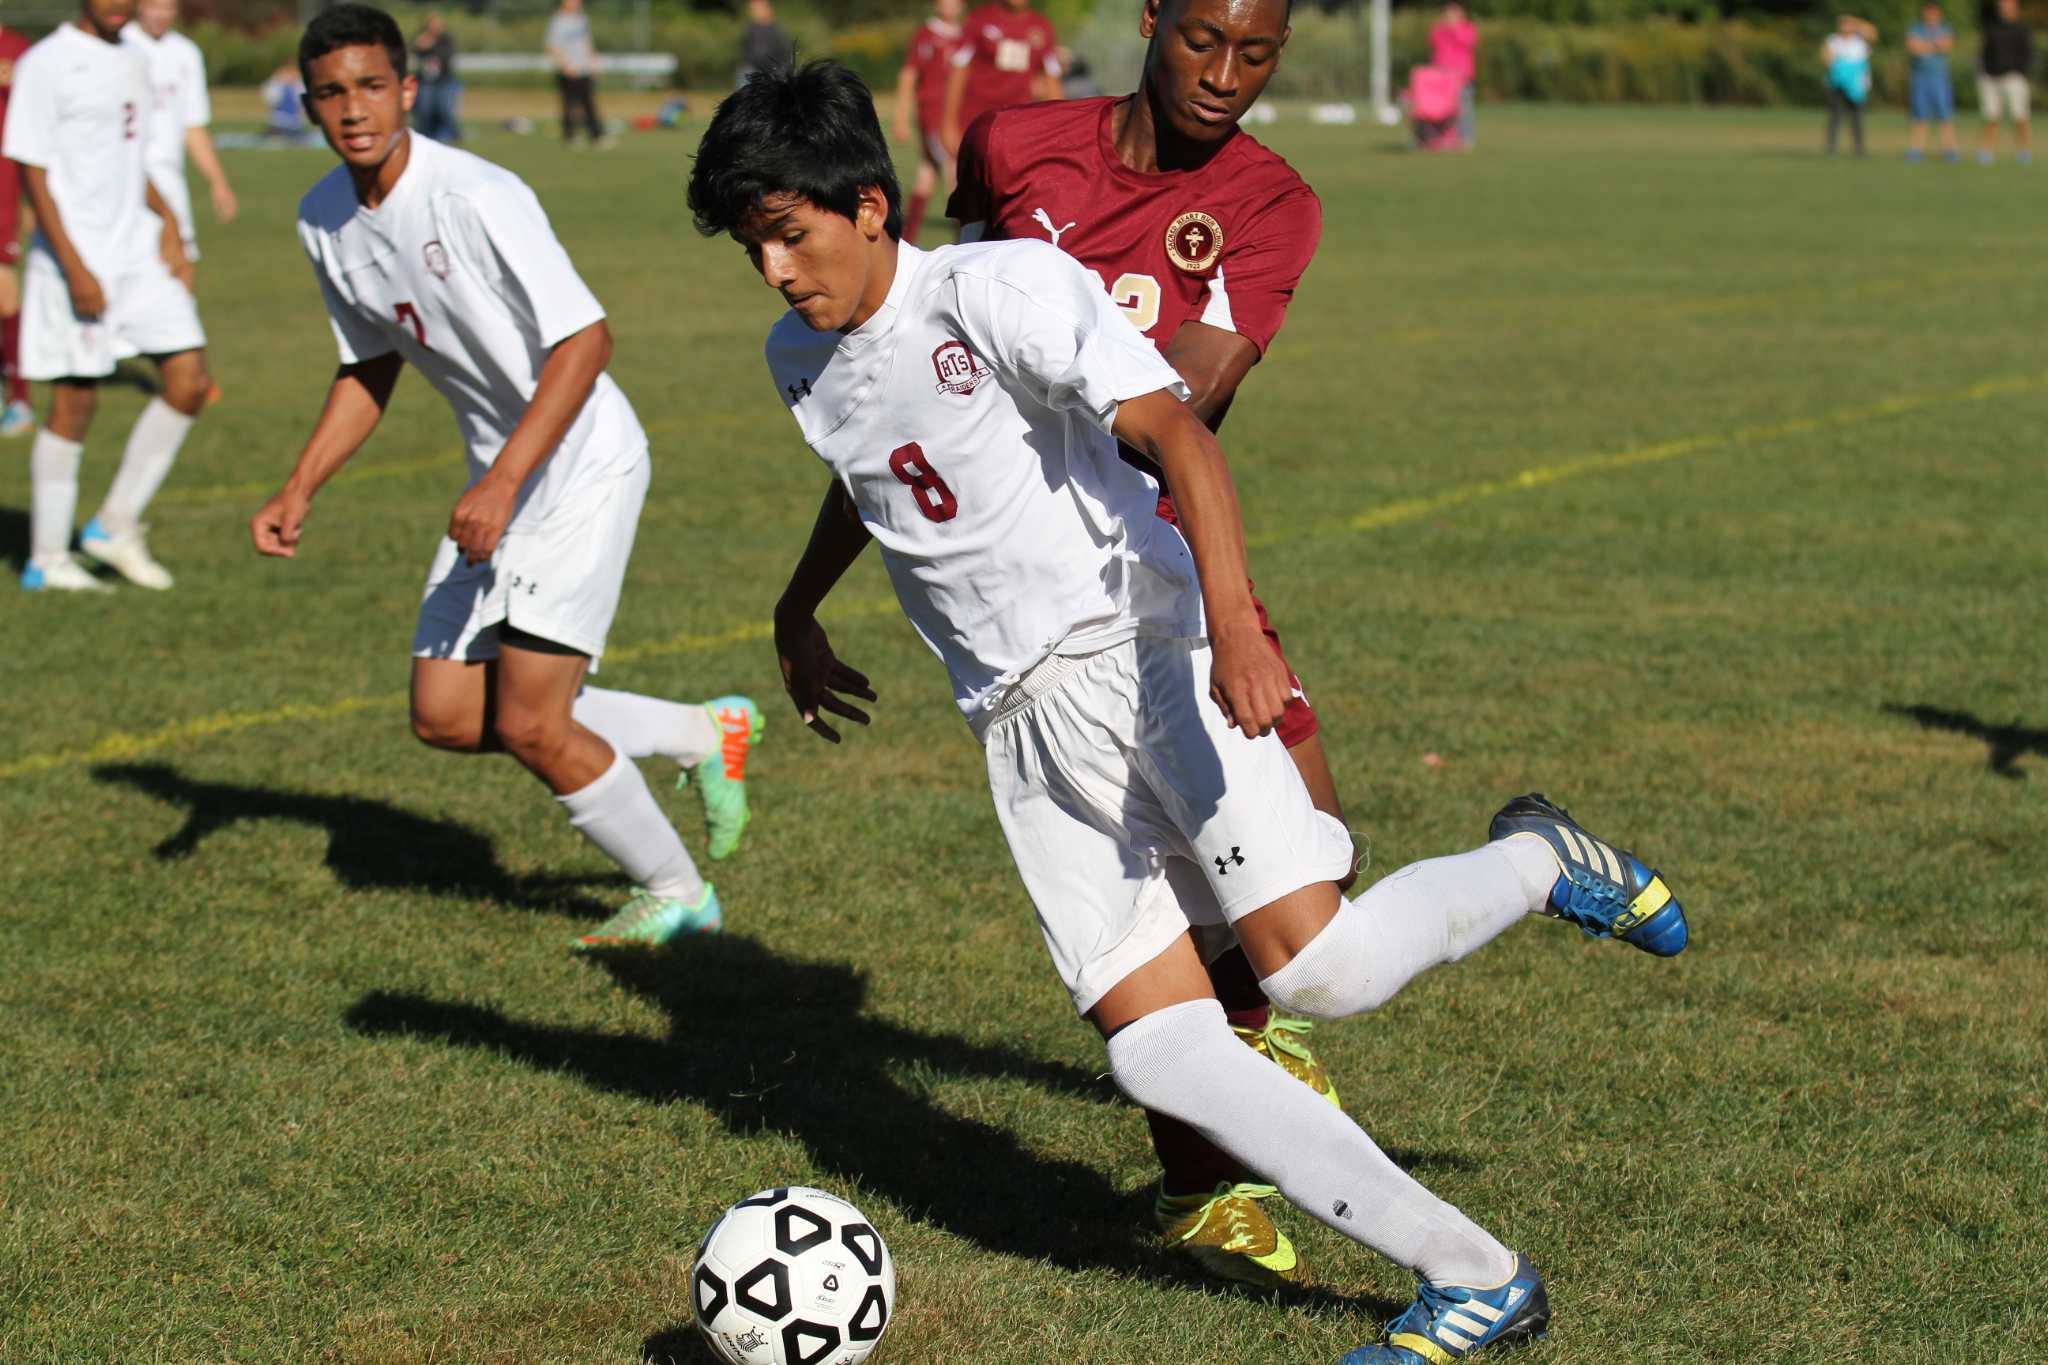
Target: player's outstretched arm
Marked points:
811	673
1247	680
566	379
906	99
88	300
355	401
956	100
1212	362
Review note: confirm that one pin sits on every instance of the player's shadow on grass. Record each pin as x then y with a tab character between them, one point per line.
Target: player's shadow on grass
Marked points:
2007	743
370	844
770	1044
14	537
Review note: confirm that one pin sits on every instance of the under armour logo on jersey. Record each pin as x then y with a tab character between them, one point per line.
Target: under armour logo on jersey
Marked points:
799	390
1223	865
1045	220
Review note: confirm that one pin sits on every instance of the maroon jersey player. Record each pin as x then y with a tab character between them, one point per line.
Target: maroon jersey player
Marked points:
1200	235
16	418
921	86
1007	55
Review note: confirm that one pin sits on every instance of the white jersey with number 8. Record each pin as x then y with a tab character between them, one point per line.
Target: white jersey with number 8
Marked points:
969	420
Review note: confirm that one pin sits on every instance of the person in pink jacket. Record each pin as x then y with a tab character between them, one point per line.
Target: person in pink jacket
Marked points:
1454	46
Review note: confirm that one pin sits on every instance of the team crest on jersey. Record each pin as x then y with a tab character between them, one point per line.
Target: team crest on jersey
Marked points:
437	260
958	371
1194	241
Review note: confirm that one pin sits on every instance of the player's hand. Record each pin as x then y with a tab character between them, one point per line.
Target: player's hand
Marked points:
175	259
480	517
225	205
276	526
812	674
1247	680
88	300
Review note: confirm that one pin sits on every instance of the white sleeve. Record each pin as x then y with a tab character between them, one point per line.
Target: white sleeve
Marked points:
503	233
1049	324
31	114
356	338
196	109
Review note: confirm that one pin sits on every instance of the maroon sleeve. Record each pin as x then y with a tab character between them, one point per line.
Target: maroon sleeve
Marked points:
974	197
1260	273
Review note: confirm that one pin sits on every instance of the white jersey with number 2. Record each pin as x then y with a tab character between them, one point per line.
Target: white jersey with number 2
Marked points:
969	420
459	272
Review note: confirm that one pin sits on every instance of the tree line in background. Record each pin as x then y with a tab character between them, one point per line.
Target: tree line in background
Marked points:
1746	52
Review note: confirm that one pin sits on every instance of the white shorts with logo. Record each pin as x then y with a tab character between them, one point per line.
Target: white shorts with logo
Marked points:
148	313
1135	813
558	579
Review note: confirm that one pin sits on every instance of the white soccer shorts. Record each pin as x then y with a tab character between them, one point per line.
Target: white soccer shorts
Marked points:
558	579
1135	813
148	313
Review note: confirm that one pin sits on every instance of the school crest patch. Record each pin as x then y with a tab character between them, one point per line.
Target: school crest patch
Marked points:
1194	241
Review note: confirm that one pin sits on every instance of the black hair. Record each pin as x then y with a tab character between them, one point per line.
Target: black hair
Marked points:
350	25
806	131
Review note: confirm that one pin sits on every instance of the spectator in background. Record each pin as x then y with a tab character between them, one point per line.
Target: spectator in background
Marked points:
2002	81
1454	47
1931	97
284	100
18	418
921	86
434	113
575	61
762	43
1846	56
1008	54
177	84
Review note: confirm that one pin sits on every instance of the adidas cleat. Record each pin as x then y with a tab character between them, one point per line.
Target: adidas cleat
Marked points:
126	555
1603	890
1229	1236
16	419
648	921
722	778
1450	1322
1284	1042
60	575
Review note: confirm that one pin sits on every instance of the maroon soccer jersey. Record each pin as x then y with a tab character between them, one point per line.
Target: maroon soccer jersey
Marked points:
12	48
930	59
1222	245
1004	50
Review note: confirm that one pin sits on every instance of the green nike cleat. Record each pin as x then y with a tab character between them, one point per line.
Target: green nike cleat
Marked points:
722	777
649	921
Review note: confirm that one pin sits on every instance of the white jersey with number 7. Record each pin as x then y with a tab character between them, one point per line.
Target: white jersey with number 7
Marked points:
969	420
459	272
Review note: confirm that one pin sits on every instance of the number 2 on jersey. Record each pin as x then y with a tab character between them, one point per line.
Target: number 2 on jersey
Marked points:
915	472
408	313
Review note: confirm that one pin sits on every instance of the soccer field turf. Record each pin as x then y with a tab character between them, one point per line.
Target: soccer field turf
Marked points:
1644	458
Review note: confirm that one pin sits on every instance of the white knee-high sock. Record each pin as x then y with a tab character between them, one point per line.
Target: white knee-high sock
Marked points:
152	446
1185	1061
53	495
619	815
643	727
1428	913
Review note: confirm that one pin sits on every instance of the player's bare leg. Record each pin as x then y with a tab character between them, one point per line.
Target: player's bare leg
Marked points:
114	536
53	498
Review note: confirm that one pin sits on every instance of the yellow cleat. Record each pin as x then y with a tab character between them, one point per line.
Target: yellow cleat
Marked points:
1285	1041
1229	1236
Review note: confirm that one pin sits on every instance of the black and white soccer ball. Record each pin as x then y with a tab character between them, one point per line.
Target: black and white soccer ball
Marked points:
793	1277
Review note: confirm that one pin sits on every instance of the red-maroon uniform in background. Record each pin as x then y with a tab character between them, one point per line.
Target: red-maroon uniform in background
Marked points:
12	46
931	58
1223	245
1004	51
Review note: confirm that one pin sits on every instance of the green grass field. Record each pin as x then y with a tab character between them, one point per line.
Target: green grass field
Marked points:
1643	457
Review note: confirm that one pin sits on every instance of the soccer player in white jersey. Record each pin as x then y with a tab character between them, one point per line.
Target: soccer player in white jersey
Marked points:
177	81
107	278
430	256
968	402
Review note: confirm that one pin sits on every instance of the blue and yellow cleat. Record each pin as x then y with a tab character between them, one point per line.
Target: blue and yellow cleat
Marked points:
1449	1322
722	777
648	921
1603	890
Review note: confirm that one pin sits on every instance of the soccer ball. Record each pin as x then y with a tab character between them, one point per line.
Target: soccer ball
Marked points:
793	1277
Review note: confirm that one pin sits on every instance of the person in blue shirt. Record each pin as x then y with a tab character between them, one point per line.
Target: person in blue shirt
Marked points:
1930	96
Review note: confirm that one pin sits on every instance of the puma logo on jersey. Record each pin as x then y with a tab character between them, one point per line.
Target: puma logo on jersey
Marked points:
1045	221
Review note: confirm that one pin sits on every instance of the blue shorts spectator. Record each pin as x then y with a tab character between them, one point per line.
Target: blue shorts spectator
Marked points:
1931	98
